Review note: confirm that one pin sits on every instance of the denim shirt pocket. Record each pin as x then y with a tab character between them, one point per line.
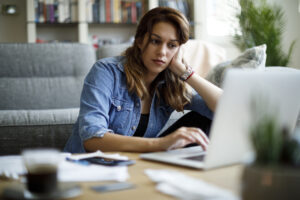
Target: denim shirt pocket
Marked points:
121	113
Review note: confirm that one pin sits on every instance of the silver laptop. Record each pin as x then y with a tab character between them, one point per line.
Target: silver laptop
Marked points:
229	137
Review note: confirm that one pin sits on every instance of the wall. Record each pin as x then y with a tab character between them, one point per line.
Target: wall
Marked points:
13	28
292	31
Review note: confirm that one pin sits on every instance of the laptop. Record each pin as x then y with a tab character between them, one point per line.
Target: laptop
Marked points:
229	137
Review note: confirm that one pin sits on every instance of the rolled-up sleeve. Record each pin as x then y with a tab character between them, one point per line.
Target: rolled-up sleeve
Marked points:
95	102
198	105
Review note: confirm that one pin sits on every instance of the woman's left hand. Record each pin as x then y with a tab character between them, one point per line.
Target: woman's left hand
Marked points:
177	64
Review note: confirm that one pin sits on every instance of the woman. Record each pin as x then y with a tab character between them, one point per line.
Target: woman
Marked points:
134	94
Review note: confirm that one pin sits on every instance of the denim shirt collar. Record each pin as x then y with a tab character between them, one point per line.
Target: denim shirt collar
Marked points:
121	64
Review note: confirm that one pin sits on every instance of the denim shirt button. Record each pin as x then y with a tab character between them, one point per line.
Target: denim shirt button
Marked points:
134	127
119	108
137	104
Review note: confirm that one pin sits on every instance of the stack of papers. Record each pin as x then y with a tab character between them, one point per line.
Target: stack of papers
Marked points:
12	166
184	187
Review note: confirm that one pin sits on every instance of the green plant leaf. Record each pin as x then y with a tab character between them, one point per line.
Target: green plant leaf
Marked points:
262	23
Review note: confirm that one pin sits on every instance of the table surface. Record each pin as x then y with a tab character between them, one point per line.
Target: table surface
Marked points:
226	177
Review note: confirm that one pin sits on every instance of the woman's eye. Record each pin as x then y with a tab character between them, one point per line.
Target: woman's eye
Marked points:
171	45
154	41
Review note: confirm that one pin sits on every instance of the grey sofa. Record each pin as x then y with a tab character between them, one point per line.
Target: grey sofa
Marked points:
40	86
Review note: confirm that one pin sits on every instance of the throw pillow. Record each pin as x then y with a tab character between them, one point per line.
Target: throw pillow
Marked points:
254	57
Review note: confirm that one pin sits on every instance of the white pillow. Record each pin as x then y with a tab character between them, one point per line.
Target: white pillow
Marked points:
254	57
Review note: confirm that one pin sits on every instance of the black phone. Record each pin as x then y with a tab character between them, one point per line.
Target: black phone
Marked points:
108	162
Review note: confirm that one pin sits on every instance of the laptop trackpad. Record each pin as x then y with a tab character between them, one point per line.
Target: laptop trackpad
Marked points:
196	158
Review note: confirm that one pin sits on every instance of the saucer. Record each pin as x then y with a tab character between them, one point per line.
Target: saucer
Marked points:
19	191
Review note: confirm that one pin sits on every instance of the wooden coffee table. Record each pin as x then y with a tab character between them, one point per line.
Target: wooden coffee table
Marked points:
226	177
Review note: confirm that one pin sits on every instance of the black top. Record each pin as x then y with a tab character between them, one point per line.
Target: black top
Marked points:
141	129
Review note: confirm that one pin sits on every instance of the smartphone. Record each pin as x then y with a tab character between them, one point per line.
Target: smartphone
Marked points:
108	162
113	187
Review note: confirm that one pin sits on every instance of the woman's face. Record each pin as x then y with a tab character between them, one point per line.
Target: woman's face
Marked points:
162	47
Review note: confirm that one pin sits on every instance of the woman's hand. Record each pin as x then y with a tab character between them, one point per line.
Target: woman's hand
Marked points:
177	64
184	136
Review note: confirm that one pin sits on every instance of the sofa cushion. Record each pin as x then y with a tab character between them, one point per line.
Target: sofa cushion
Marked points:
43	76
40	92
45	60
254	57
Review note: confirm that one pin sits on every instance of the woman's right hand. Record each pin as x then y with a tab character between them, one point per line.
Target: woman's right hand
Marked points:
184	136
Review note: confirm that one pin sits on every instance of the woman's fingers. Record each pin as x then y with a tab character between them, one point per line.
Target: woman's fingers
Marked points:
176	65
179	54
202	134
196	134
187	135
201	141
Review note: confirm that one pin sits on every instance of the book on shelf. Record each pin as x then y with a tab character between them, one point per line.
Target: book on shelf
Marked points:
139	10
95	9
102	11
39	11
67	11
116	11
181	5
89	10
108	11
56	2
133	12
56	11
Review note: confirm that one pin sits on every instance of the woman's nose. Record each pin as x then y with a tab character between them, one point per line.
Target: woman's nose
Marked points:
162	49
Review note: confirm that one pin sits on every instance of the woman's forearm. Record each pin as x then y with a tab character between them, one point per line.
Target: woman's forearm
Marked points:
208	91
115	142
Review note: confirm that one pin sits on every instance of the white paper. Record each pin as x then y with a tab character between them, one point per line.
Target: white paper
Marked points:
184	187
99	154
11	167
68	171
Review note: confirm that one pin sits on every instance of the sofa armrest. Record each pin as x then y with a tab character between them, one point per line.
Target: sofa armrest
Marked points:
38	117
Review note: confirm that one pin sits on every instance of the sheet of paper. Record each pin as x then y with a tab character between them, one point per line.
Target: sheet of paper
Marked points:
68	171
11	167
184	187
99	154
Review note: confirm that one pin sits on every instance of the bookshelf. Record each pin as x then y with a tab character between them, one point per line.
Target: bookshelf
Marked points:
80	27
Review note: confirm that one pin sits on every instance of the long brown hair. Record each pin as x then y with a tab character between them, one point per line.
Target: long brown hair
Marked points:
174	91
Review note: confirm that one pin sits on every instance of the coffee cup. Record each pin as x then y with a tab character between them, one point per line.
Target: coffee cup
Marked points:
42	167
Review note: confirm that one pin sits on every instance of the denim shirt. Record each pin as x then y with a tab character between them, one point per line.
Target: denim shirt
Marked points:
106	105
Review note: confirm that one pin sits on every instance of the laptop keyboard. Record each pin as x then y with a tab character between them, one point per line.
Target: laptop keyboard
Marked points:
184	151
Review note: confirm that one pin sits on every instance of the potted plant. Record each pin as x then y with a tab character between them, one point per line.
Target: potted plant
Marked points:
262	23
274	172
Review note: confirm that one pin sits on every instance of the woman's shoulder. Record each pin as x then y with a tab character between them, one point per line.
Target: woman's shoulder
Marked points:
106	70
111	63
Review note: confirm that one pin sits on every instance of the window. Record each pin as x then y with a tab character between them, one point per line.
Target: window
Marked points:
221	17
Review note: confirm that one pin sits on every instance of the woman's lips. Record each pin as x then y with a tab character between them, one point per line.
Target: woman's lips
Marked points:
158	61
